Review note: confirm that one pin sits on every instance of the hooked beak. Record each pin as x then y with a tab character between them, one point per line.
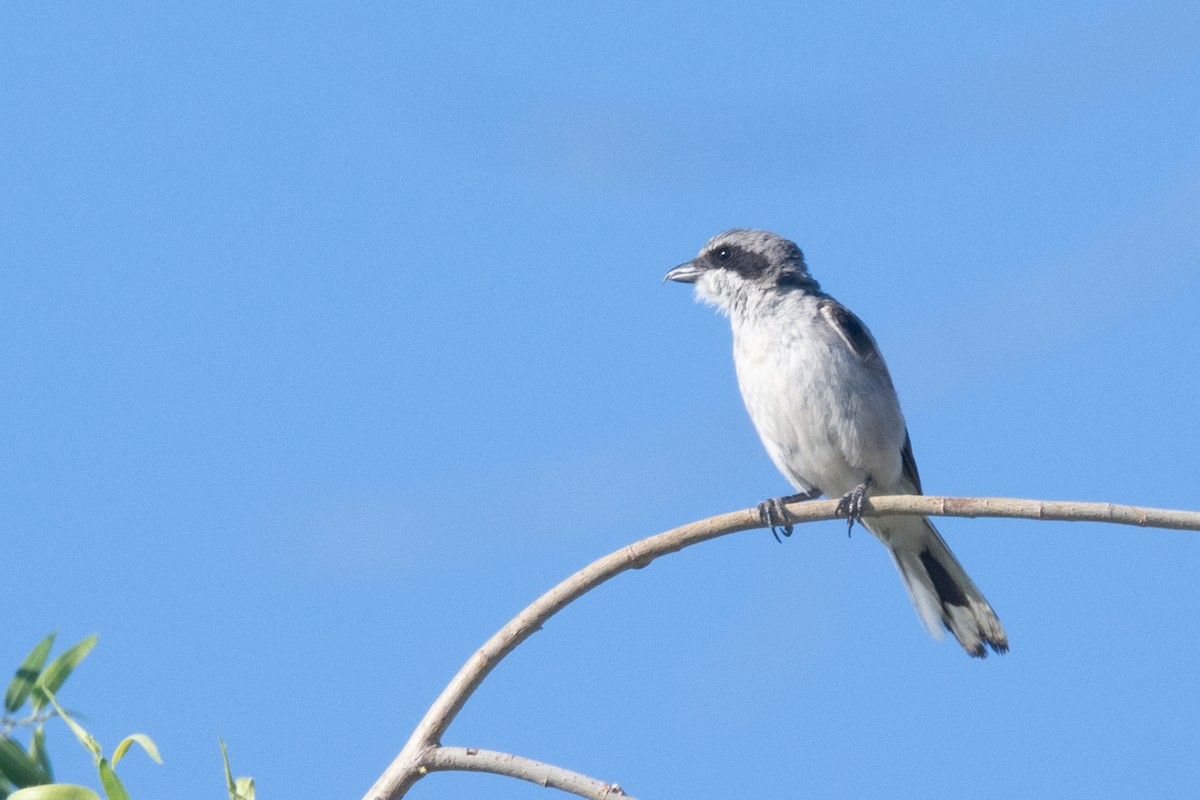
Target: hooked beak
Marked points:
689	272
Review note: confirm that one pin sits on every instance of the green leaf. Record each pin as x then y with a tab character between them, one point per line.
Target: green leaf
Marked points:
83	736
27	674
37	750
112	784
145	741
245	788
240	789
55	791
230	786
17	767
58	670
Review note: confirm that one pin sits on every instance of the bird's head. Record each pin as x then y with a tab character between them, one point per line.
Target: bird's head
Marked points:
743	267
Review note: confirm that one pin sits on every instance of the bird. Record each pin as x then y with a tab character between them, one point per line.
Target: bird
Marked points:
822	400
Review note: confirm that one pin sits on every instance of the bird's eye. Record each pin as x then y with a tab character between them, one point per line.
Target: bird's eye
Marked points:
723	254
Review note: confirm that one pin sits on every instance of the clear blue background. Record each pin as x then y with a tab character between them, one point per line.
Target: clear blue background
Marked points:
334	335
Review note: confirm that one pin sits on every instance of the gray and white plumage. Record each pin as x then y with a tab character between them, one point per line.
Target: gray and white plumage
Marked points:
819	393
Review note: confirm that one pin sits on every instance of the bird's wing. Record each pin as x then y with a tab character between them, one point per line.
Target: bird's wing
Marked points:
909	465
850	329
858	340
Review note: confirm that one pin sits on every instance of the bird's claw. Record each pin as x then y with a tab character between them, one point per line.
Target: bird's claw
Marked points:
851	504
771	513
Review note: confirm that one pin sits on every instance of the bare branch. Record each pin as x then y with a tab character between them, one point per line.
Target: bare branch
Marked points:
1063	511
546	775
408	767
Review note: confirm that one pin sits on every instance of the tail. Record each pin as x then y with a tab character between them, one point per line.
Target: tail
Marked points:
940	588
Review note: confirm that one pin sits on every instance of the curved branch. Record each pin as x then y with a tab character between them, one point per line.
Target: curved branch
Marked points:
547	775
407	768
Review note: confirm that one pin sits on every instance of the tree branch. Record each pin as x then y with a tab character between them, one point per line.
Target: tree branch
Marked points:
408	766
547	775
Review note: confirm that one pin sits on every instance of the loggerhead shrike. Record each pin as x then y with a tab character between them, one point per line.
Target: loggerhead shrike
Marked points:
819	394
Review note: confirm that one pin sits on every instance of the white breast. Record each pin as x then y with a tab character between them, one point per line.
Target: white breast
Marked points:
827	420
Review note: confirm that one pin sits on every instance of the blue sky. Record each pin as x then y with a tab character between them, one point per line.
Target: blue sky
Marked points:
334	335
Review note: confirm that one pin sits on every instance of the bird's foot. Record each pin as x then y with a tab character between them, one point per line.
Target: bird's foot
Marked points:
851	504
773	515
